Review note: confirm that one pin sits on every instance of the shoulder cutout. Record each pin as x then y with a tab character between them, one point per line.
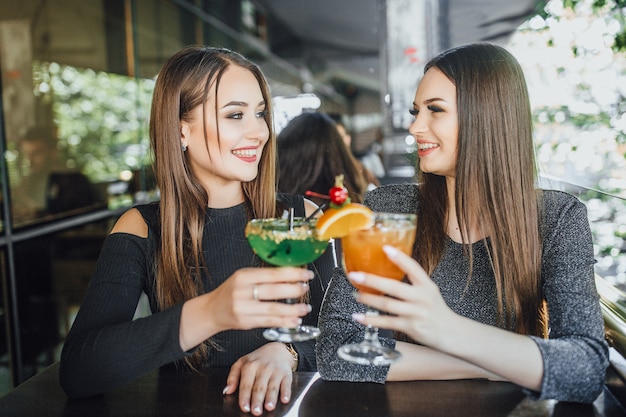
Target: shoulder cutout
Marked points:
131	222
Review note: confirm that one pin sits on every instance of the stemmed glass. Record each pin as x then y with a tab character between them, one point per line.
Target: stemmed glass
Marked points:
286	242
363	251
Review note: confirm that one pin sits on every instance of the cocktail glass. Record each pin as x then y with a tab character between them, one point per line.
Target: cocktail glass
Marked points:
363	251
286	242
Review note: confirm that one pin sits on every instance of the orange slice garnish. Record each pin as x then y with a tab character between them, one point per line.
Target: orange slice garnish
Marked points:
338	222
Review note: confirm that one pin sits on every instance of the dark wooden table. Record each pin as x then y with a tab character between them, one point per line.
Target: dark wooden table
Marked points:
167	393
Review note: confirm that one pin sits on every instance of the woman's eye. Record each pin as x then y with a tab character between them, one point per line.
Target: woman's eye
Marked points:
261	114
235	116
435	109
413	112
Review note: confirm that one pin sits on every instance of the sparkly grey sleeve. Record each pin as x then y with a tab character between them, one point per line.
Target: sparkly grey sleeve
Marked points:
338	328
576	354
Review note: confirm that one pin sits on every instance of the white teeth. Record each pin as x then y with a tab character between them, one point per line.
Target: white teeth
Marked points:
244	152
427	145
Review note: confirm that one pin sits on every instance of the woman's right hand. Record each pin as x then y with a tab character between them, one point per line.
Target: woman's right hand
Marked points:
232	305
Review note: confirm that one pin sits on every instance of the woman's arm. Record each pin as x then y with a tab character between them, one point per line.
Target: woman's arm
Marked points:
105	347
423	363
576	353
570	366
419	310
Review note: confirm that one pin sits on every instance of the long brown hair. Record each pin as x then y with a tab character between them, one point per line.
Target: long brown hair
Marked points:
495	181
183	84
312	153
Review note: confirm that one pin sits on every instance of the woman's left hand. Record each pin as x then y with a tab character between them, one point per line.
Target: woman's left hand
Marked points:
262	375
416	309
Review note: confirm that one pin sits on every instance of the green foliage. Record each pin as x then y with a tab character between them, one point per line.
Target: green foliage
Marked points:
101	118
607	115
620	42
608	8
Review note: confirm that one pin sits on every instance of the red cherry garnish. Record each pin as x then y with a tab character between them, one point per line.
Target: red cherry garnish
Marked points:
338	193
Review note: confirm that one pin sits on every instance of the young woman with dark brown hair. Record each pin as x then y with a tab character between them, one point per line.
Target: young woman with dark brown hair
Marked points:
214	157
501	282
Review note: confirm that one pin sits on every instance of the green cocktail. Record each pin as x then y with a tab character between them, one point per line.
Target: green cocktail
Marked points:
286	242
275	243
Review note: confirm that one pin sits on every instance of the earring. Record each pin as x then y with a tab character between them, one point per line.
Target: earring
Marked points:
183	146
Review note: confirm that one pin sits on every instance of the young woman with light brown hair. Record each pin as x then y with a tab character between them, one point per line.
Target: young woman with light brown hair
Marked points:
501	282
214	158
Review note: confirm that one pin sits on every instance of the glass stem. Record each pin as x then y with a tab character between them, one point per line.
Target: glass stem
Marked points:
371	332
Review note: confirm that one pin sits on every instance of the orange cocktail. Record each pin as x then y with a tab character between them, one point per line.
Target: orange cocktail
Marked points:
363	249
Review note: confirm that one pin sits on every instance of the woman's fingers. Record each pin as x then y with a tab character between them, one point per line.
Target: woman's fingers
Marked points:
414	270
274	275
416	274
262	375
267	292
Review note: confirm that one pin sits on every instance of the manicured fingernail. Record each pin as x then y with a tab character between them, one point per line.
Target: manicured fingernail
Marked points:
269	405
308	274
358	317
225	390
286	399
356	276
246	408
309	307
390	251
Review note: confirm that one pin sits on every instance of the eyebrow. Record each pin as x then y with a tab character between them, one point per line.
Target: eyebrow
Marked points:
241	104
431	100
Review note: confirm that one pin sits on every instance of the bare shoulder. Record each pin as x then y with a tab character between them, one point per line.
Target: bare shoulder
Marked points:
131	222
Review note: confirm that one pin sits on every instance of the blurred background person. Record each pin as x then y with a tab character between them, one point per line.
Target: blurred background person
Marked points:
311	153
371	157
370	177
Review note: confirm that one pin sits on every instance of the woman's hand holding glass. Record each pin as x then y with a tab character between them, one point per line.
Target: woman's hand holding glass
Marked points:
286	241
416	308
246	300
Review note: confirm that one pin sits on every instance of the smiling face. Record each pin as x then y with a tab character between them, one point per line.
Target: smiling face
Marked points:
236	132
435	127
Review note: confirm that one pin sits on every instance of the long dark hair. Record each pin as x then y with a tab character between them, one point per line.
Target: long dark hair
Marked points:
183	84
311	153
495	180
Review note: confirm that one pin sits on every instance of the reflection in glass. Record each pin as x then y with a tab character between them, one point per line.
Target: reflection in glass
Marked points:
92	153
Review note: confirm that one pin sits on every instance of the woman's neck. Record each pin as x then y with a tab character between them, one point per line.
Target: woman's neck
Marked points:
225	195
453	229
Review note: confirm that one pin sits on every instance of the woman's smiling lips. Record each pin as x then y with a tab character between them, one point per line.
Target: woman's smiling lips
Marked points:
245	154
425	148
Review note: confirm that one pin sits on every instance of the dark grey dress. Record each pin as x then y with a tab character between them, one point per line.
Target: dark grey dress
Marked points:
576	354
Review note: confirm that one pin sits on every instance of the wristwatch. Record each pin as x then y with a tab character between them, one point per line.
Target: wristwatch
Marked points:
294	355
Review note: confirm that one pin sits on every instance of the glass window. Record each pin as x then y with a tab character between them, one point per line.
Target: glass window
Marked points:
573	56
574	70
76	132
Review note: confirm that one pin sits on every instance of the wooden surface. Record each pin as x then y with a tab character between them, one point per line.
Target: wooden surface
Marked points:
169	393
